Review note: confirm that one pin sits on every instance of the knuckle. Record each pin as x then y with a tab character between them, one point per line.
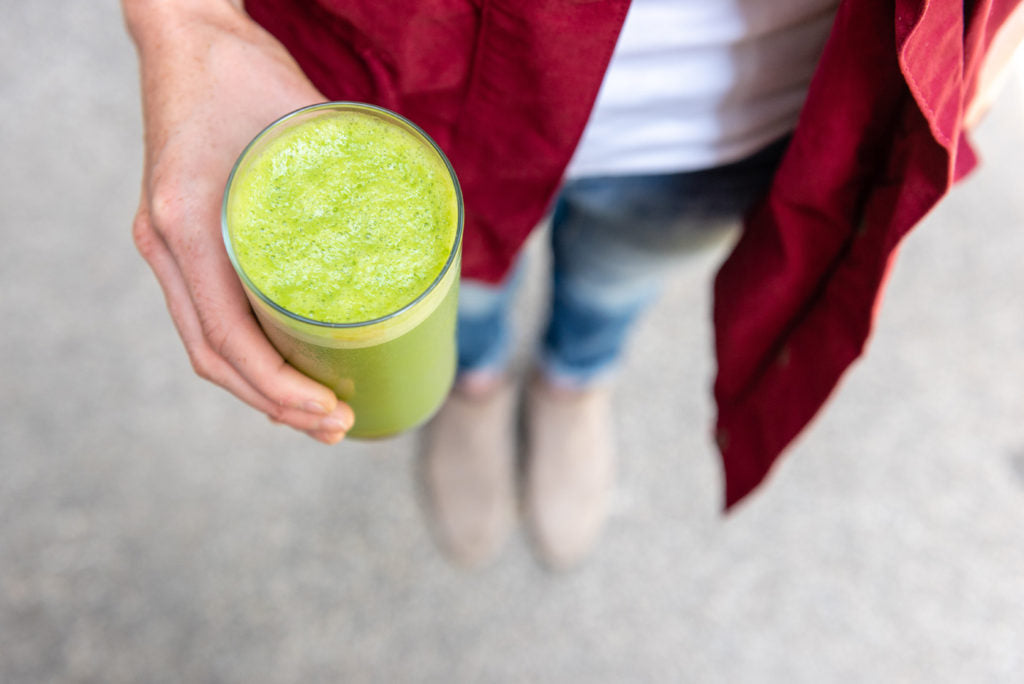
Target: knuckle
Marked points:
217	334
276	413
144	237
166	205
202	365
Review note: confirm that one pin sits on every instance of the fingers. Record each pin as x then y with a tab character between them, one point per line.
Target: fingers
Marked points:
235	336
317	411
222	309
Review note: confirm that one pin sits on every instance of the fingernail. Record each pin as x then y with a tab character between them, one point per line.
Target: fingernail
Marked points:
314	407
329	438
333	424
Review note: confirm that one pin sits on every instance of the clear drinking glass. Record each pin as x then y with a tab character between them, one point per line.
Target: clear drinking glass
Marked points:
394	370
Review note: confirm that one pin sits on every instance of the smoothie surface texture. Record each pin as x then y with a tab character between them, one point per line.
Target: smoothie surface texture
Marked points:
344	218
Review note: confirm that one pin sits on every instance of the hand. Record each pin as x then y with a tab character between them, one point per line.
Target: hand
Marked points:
211	80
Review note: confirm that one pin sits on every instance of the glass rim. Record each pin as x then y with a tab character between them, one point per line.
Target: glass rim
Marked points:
342	104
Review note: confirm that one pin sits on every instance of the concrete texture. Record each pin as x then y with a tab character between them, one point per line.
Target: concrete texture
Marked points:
153	529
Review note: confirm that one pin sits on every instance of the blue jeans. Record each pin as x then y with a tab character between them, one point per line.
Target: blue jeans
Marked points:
613	241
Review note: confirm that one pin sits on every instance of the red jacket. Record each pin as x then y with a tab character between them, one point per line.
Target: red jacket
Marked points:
505	88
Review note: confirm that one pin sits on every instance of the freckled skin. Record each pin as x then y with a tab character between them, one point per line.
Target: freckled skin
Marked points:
343	219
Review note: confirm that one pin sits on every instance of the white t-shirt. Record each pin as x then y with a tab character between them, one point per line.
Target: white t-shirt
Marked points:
698	83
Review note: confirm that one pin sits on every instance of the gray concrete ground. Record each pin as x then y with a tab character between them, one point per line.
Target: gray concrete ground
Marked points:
153	529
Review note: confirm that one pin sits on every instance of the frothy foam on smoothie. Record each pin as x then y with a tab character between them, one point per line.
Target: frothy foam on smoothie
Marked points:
345	218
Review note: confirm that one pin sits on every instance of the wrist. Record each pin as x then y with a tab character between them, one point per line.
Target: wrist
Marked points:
148	20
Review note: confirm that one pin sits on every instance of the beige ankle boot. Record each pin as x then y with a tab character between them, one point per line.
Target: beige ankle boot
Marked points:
569	469
468	471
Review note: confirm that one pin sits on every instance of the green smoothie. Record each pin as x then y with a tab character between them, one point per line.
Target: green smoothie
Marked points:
344	223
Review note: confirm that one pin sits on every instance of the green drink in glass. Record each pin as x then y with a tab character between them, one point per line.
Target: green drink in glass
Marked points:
344	224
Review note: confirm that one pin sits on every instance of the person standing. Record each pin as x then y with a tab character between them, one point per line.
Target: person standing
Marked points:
646	127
